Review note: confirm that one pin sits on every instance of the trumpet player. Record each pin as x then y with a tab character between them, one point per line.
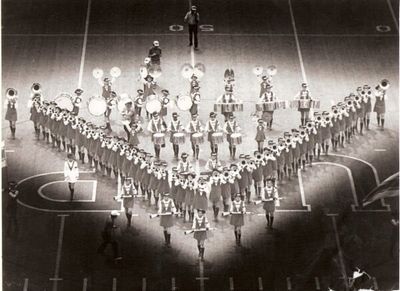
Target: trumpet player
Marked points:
280	159
34	105
367	104
360	110
380	102
212	127
257	173
288	155
77	101
304	94
184	165
335	127
325	128
226	188
311	133
194	127
215	192
11	105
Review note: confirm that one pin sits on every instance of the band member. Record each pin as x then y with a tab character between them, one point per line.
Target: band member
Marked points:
128	192
134	129
342	113
181	194
77	101
156	126
288	155
163	177
227	97
110	97
12	206
234	177
154	171
155	53
268	96
184	164
215	192
304	94
226	188
212	127
213	163
367	105
200	200
380	105
34	106
175	127
360	110
231	126
303	144
111	235
200	227
238	208
243	180
280	159
128	115
260	136
191	187
194	126
71	174
312	133
318	134
270	198
257	173
174	184
265	82
335	129
139	100
325	128
11	105
166	210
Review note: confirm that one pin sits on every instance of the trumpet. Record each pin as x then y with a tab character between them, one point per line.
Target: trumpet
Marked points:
384	84
259	157
288	141
226	174
215	174
309	125
327	119
243	162
350	103
302	133
357	98
335	111
274	147
11	93
319	118
36	88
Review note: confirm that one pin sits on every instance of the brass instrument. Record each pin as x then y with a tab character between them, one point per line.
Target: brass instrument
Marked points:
309	125
259	157
288	141
335	111
302	133
36	88
319	118
384	84
243	162
327	119
11	93
226	174
274	147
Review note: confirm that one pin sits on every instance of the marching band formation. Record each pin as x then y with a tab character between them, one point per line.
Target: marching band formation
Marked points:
180	192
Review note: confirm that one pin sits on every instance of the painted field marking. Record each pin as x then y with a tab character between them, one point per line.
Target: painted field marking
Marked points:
231	285
393	13
376	287
173	285
376	176
93	198
114	285
296	38
383	28
82	65
26	284
288	283
84	286
144	284
201	277
339	247
380	150
10	151
56	277
260	284
317	284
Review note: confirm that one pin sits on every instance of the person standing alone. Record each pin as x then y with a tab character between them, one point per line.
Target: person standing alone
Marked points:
192	18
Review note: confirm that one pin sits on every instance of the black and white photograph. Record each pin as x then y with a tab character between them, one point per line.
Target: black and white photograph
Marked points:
188	145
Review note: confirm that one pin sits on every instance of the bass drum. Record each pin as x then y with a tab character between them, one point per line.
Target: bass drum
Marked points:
184	103
64	101
153	106
97	105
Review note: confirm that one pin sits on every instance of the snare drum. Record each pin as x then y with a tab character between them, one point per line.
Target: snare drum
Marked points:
97	105
304	104
259	107
178	138
236	138
315	104
64	101
217	137
228	107
294	104
197	138
159	138
280	104
269	106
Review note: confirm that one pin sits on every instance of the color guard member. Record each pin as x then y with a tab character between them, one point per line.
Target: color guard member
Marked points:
237	211
128	192
166	210
156	126
71	174
200	227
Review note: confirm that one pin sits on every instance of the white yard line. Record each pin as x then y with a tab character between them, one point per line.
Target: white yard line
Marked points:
340	251
56	277
84	287
288	283
93	196
114	285
26	284
173	285
231	285
81	68
144	284
395	19
201	277
317	284
260	284
296	38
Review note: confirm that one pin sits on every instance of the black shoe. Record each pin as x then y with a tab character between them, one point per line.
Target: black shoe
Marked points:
189	44
196	48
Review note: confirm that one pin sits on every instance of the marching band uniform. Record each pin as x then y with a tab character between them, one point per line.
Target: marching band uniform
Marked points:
342	123
200	200
260	135
180	195
194	126
280	159
194	109
134	129
318	137
270	199
233	181
213	163
112	161
326	133
335	131
380	106
243	179
200	222
163	185
128	193
174	184
128	116
175	127
155	53
226	189
77	101
263	85
71	174
226	98
34	106
268	116
156	126
312	132
212	127
231	127
166	209
238	208
215	192
184	165
257	174
288	155
139	100
109	96
368	105
11	106
189	196
360	109
304	94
